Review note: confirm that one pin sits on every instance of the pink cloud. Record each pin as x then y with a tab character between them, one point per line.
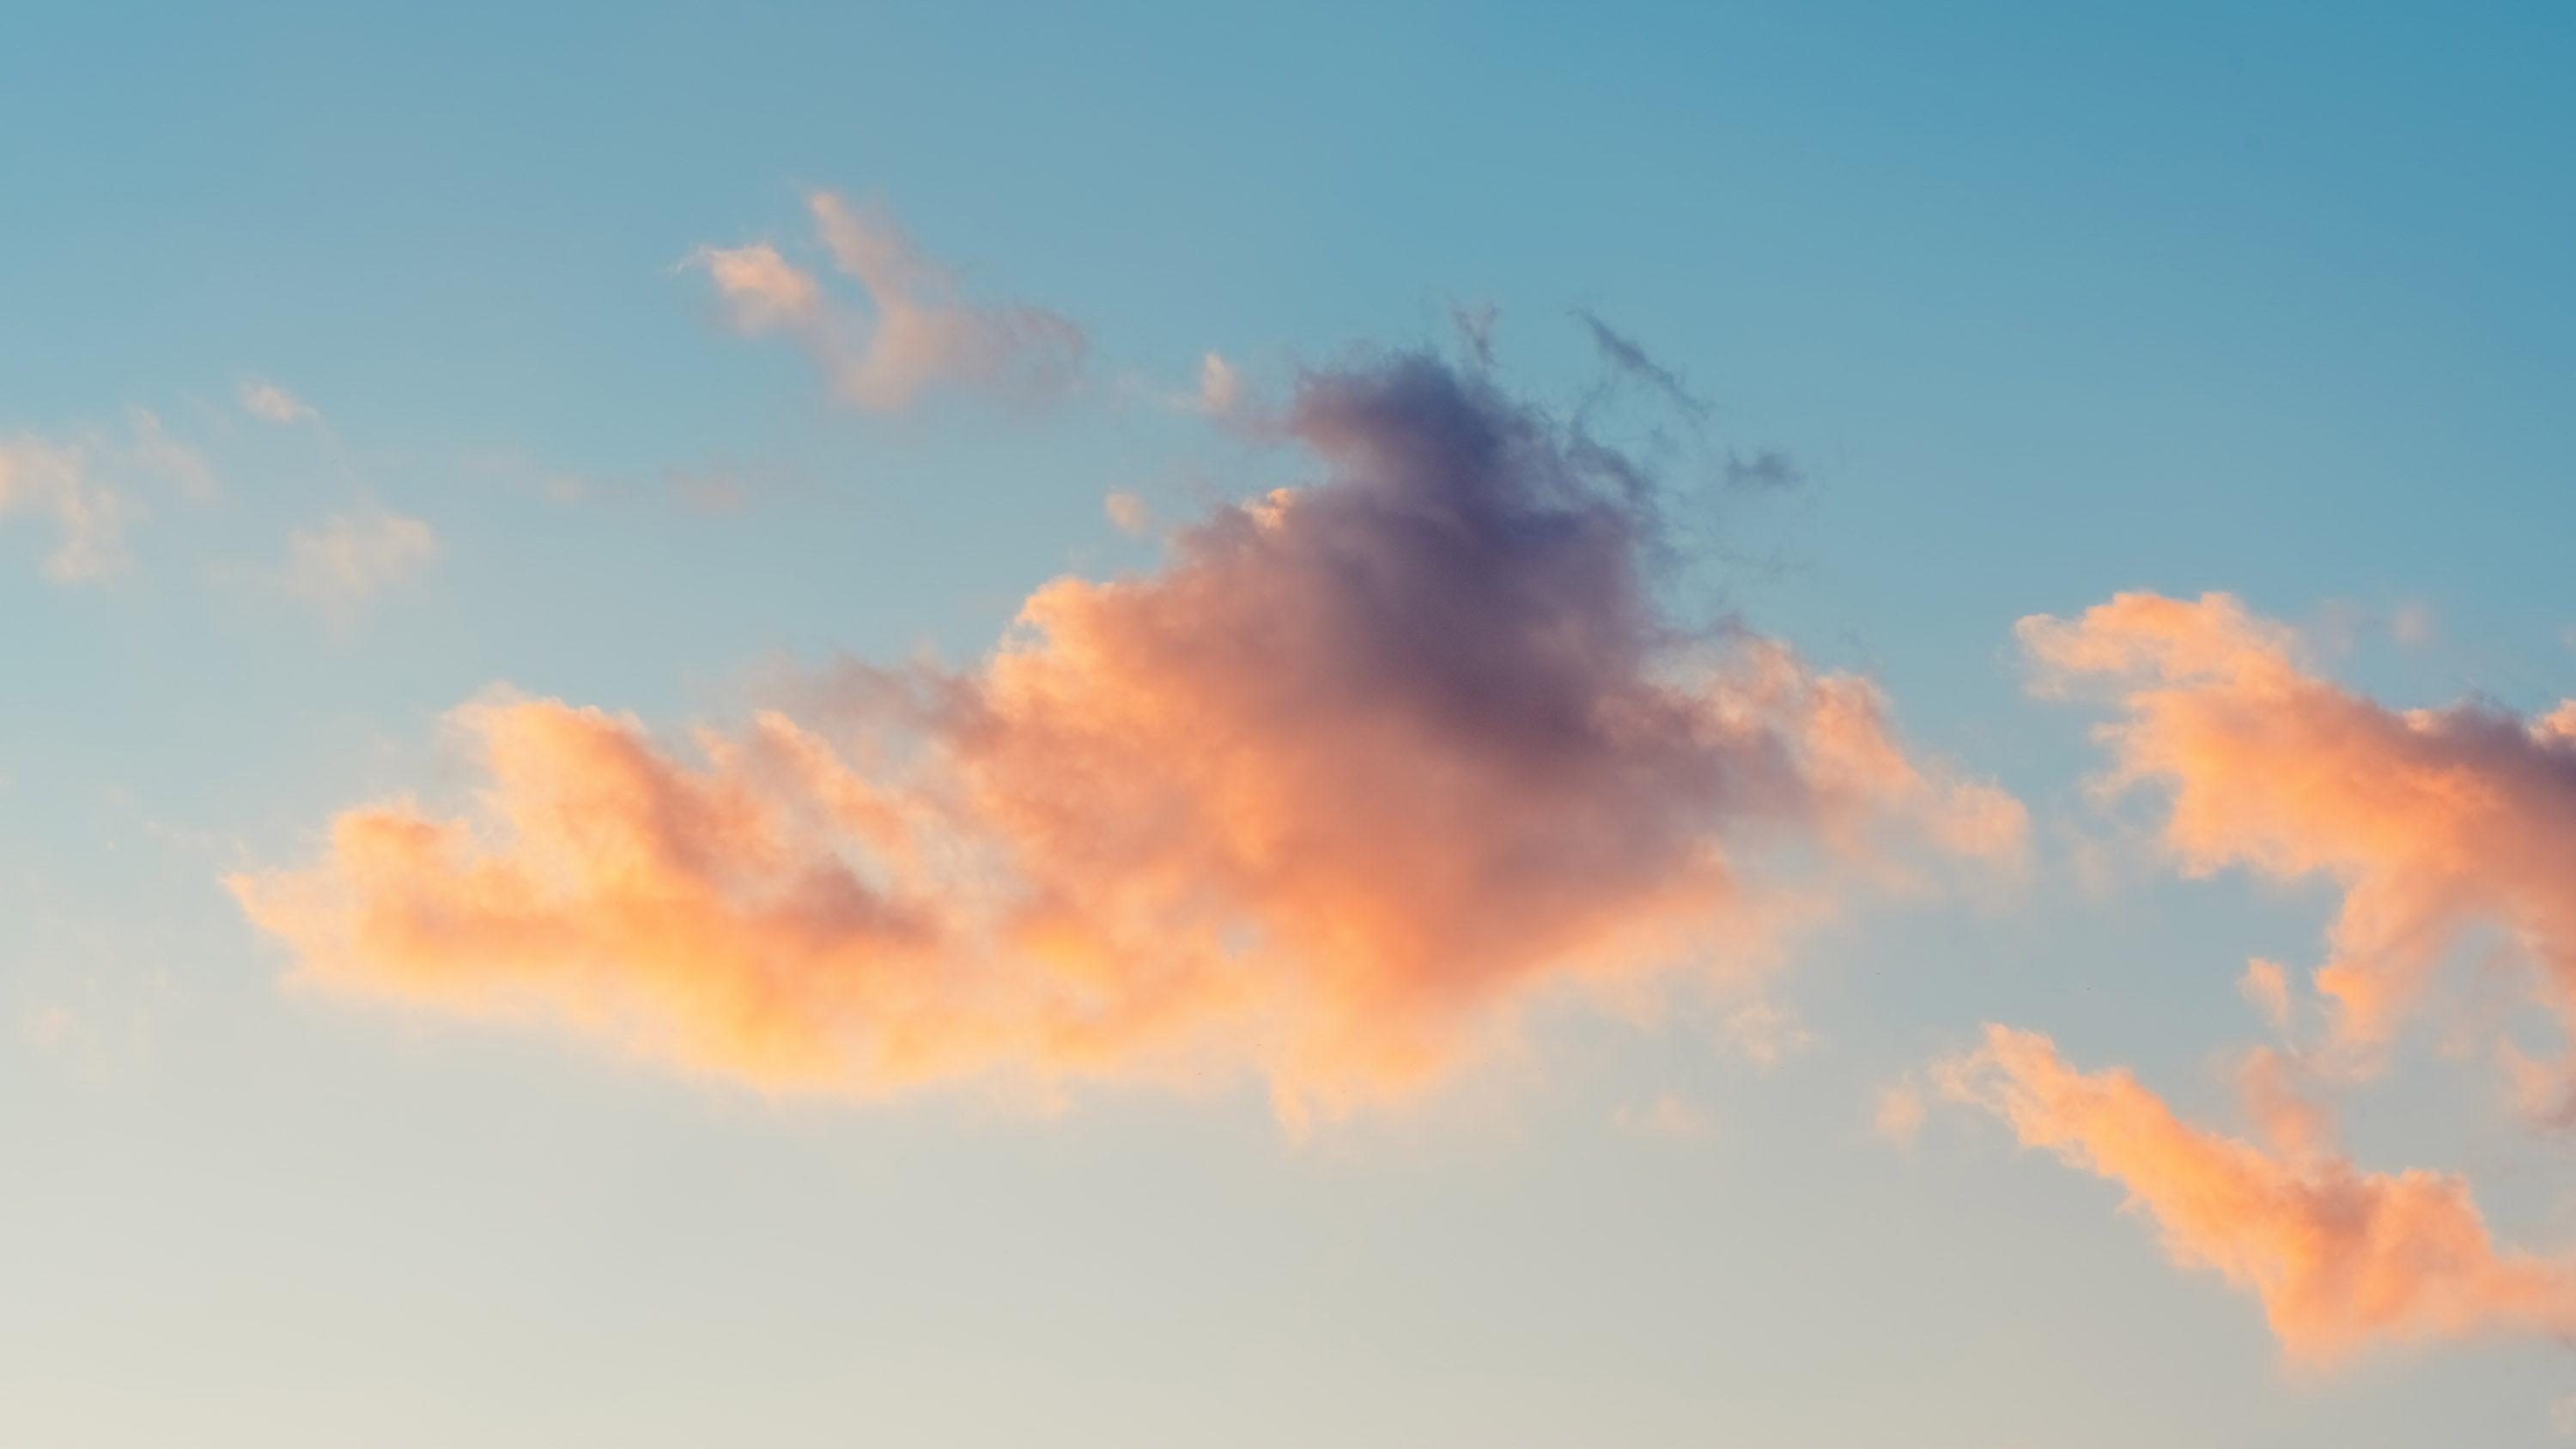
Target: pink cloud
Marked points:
1362	770
918	332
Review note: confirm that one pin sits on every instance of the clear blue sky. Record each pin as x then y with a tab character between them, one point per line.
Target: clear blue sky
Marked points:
2045	302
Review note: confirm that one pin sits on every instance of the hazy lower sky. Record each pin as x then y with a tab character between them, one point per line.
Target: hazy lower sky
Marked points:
1376	725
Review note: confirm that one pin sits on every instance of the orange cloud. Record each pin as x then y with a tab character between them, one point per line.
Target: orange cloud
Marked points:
2433	821
922	333
1363	767
2341	1259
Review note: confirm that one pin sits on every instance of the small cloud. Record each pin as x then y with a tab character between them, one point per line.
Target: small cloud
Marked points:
2266	988
1765	471
1766	1034
58	480
2562	1417
1669	1118
723	488
1631	361
1220	387
2411	626
270	403
1128	512
1899	1117
155	454
352	557
923	335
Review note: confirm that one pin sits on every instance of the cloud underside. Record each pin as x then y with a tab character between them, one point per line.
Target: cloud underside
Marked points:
1361	769
918	334
2341	1259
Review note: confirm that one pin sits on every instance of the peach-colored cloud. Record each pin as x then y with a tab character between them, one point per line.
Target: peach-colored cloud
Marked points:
2433	821
921	333
1362	768
2266	987
2341	1259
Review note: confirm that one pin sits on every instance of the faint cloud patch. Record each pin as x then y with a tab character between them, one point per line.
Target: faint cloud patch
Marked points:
2266	987
270	403
723	488
97	1031
354	556
1765	1034
58	482
1898	1118
1768	470
1129	513
1668	1118
86	483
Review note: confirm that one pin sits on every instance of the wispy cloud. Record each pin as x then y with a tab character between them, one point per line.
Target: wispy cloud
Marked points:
1325	799
918	333
57	481
270	403
2340	1258
353	556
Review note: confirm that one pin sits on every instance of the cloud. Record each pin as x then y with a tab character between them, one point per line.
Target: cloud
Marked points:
1765	1034
1669	1118
1129	513
2341	1259
2266	987
2433	820
57	481
353	556
1897	1118
1220	391
1364	768
271	403
1631	361
920	334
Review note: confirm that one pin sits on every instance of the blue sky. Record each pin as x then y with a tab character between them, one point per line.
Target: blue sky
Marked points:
2045	303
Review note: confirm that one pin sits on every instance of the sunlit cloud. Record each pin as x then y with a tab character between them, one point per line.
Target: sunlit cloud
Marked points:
2434	821
2341	1259
1365	768
918	333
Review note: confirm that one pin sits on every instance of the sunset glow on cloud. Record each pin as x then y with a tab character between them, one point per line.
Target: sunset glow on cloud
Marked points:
2342	1259
2433	821
1363	765
1152	726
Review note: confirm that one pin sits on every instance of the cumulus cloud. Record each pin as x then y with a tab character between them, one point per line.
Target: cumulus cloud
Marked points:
353	556
2434	821
1364	767
270	403
918	332
2340	1258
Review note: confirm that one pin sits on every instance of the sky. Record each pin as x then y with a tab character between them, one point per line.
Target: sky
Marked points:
1385	725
